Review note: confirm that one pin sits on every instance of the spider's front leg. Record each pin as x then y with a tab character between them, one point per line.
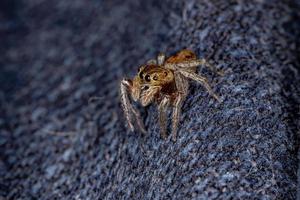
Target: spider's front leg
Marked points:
126	88
162	109
176	114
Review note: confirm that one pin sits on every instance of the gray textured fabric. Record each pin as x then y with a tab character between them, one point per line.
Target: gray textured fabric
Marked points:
54	144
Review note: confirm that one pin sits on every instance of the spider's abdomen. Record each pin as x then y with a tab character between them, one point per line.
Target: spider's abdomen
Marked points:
182	56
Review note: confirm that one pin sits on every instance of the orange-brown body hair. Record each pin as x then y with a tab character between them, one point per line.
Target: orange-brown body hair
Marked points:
154	75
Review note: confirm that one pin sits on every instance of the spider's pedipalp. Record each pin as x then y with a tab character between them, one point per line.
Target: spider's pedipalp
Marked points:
147	96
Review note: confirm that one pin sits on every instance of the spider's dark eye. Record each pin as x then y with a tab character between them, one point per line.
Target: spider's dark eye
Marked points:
166	73
147	78
155	78
141	75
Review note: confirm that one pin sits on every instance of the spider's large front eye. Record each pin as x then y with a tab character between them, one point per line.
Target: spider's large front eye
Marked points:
141	75
155	78
147	78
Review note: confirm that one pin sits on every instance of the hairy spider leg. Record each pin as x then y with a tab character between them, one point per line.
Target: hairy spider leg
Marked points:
128	108
183	68
202	80
182	86
194	63
162	109
161	58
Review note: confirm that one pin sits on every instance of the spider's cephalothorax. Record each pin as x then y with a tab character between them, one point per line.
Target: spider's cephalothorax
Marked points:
164	81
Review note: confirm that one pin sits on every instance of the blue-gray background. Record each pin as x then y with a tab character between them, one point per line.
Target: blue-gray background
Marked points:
56	55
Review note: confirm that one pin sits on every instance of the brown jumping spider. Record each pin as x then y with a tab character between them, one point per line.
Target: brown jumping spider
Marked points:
166	82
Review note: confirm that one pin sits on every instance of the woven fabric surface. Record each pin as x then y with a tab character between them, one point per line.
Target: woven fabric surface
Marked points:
58	143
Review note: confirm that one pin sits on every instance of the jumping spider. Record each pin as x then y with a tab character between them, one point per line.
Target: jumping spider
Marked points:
166	82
